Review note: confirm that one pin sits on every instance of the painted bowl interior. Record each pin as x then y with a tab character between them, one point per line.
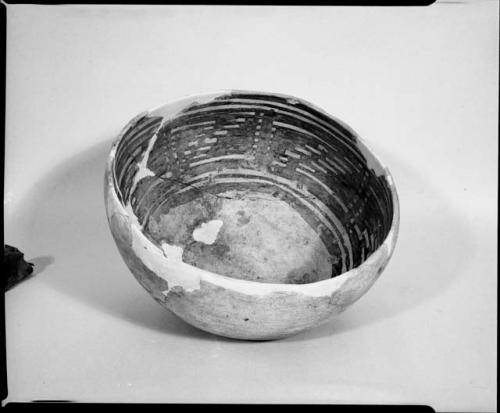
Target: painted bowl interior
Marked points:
255	187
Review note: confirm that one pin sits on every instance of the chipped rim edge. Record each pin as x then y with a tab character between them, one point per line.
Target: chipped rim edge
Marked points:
385	249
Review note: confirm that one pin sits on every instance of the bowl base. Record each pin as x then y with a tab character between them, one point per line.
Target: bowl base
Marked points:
245	235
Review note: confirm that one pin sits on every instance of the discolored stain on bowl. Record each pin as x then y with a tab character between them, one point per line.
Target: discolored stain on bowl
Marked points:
250	215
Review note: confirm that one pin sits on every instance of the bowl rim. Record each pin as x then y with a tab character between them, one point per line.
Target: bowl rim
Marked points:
386	248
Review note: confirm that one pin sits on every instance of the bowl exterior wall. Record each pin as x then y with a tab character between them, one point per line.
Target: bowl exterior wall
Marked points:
234	312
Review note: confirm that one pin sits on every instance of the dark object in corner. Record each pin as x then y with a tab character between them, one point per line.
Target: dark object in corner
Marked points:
16	269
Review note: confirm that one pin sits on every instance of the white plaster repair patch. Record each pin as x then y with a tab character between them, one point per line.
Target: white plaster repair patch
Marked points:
172	252
207	232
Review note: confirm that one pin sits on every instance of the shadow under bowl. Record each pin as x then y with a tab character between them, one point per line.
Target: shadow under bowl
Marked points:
249	215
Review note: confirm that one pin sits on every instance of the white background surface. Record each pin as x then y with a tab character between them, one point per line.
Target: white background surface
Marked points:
420	85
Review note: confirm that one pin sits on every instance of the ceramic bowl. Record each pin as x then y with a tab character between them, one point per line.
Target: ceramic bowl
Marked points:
249	215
